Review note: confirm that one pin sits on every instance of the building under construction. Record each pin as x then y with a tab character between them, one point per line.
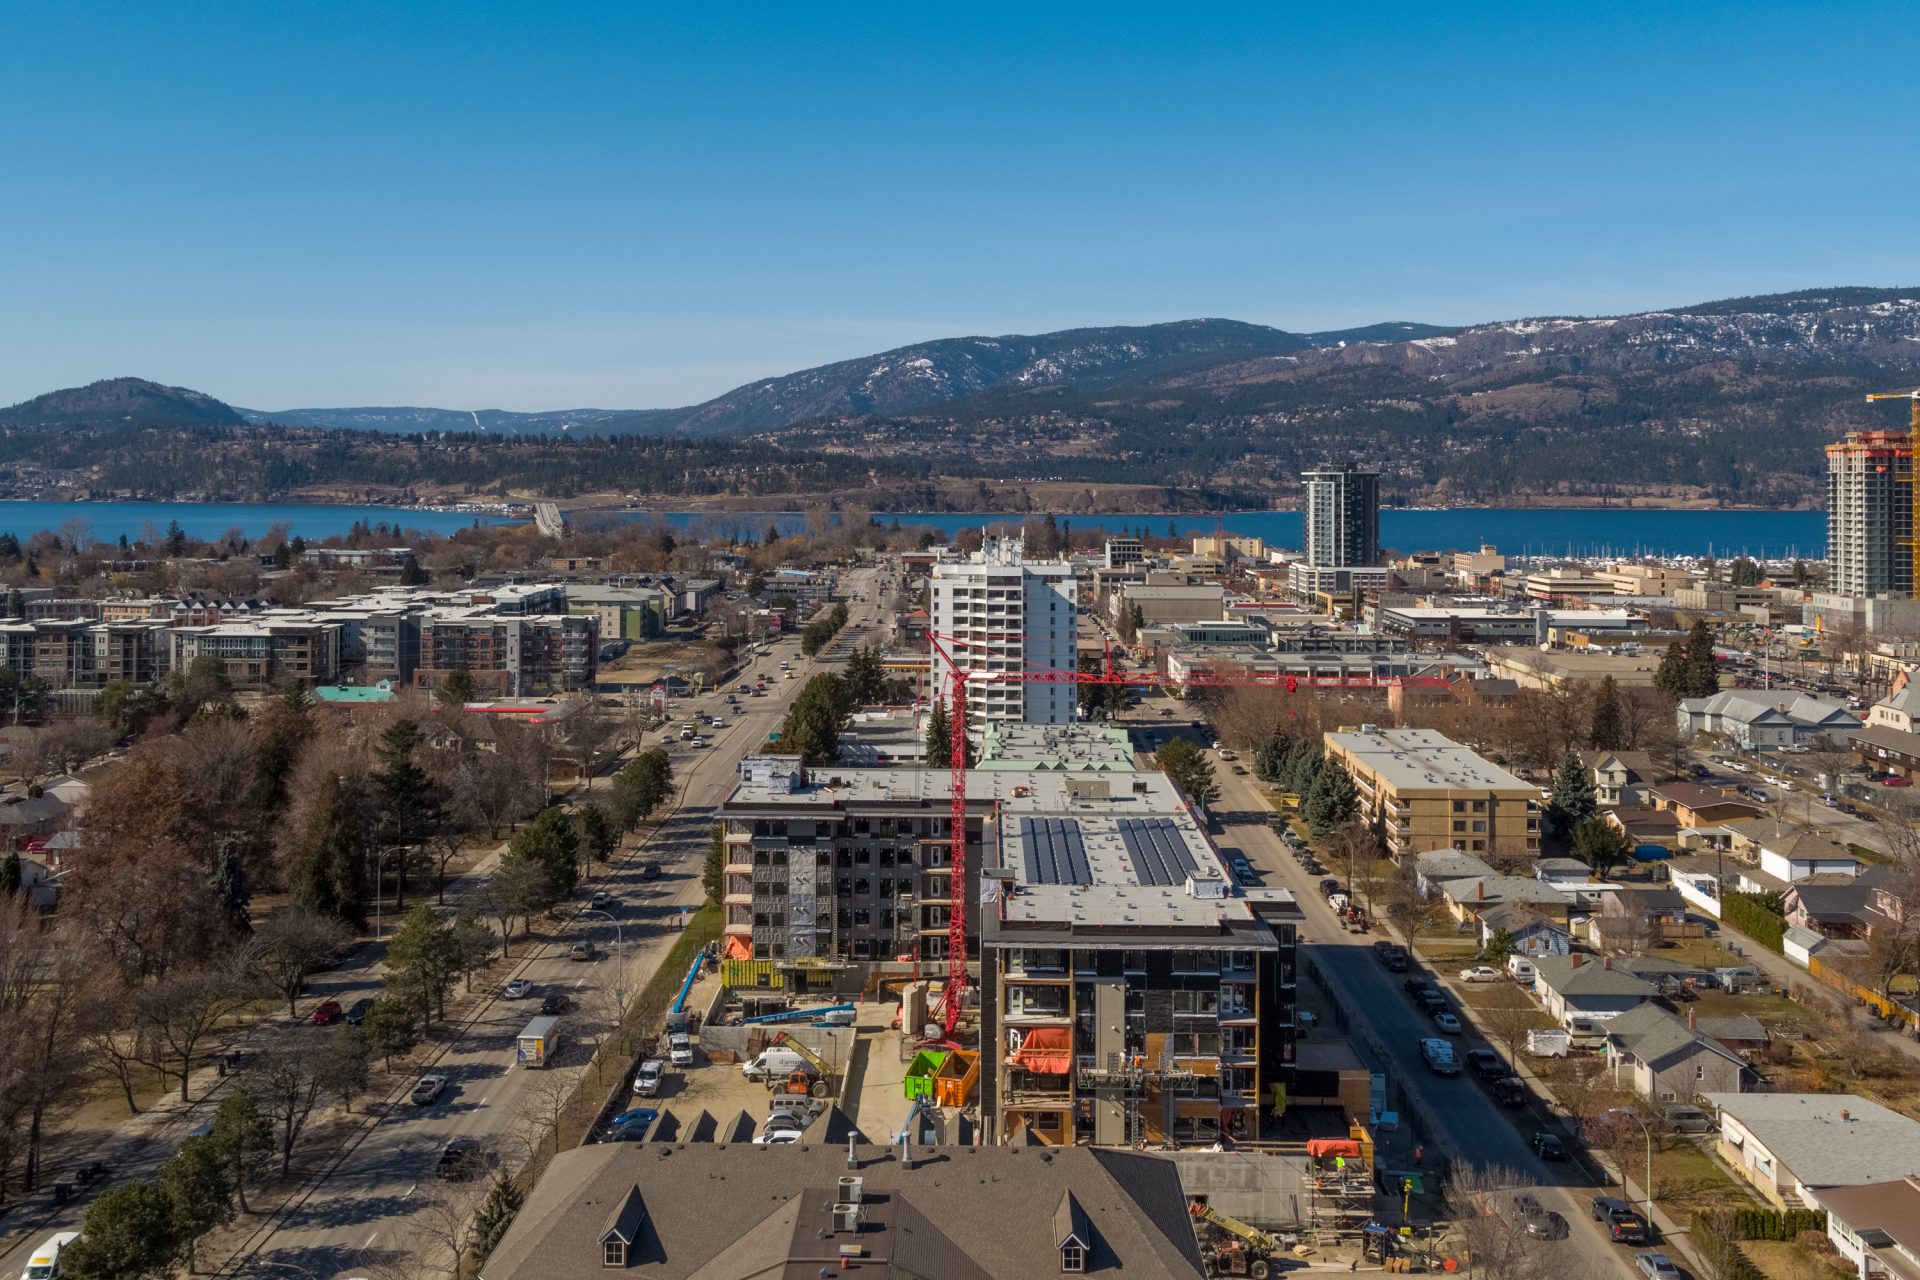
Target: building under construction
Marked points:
1870	502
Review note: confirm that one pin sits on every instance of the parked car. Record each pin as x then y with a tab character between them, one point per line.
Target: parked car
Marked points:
1655	1266
648	1079
429	1088
776	1137
1548	1146
1328	886
640	1116
580	951
1414	986
1547	1226
461	1160
517	989
1683	1119
357	1012
1895	781
1486	1064
557	1003
1432	1001
600	898
1605	1207
1447	1022
1480	973
327	1014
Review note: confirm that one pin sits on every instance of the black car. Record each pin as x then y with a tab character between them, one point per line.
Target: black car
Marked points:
1414	986
462	1159
1328	886
1431	1000
1548	1146
357	1014
557	1003
1509	1092
1547	1226
650	872
1486	1064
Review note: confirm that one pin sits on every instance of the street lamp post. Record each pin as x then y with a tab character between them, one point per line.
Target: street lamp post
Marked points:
619	946
1635	1116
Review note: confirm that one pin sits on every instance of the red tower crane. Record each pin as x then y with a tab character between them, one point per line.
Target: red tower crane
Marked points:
951	997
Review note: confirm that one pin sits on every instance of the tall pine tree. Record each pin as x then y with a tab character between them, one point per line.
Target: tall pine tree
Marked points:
1571	801
1608	731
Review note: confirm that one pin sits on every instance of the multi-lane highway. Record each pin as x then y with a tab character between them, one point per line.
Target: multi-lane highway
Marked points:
376	1201
372	1202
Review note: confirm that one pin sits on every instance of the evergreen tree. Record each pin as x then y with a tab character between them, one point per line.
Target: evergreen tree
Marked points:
640	787
456	689
1331	801
409	801
494	1217
176	543
939	745
323	877
866	677
1601	845
1608	731
1703	669
1670	677
549	843
12	873
1190	770
129	1234
1303	768
411	574
230	888
390	1028
598	839
420	962
1571	801
199	1189
241	1135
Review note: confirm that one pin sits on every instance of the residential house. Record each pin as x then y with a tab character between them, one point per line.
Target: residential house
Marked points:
1654	832
1755	719
1576	986
1876	1227
1468	898
1533	934
22	817
1637	917
827	1207
1832	908
1789	852
1564	873
1743	1033
1794	1146
40	880
1897	710
1664	1059
1432	869
1693	805
1619	777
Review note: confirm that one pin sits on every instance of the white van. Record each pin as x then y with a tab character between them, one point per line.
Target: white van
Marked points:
775	1064
1587	1033
1521	970
44	1263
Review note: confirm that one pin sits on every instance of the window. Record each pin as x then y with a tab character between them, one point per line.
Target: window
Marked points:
1459	824
613	1253
1459	806
1073	1257
1479	806
1480	825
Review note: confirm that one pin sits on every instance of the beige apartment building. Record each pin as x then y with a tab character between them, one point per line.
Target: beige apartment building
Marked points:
1421	790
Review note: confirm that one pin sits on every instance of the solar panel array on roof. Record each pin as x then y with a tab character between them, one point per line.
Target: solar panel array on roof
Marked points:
1054	852
1159	853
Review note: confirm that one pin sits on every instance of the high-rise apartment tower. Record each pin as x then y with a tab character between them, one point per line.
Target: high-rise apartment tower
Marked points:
1870	514
1000	612
1343	517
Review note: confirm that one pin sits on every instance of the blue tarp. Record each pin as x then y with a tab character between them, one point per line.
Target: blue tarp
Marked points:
1651	853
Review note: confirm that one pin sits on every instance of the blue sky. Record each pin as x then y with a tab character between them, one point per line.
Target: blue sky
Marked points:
637	205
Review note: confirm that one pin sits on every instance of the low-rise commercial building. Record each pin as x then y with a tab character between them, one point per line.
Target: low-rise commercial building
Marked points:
1421	790
509	655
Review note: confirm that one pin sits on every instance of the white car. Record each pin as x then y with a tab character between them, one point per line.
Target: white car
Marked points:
776	1137
1480	973
647	1080
516	989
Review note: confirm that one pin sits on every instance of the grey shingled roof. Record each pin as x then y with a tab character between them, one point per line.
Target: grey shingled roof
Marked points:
1654	1036
962	1213
1590	978
1807	1135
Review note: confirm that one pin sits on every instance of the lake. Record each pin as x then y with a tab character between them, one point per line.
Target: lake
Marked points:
1515	530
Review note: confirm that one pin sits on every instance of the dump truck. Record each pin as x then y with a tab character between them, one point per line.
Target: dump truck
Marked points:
536	1045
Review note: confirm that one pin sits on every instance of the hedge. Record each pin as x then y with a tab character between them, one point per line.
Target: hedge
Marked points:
1728	1261
1752	915
1773	1224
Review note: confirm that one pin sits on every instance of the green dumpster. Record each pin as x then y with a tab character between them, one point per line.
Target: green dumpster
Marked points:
920	1072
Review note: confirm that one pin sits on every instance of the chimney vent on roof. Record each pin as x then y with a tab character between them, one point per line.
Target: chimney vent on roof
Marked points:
1846	1115
1607	961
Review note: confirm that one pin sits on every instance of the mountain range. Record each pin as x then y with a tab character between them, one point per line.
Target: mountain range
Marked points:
1728	399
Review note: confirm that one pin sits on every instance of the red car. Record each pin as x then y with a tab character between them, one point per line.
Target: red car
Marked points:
327	1014
1896	781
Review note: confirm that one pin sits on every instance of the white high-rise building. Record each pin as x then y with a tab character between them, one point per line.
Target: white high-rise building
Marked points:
1342	516
1000	612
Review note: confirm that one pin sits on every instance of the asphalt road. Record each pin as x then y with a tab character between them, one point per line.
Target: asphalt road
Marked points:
376	1201
1460	1115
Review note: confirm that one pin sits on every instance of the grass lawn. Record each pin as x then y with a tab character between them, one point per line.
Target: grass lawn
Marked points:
1685	1178
1789	1260
1702	952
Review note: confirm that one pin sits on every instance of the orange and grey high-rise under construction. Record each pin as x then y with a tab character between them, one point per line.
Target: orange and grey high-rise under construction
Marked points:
1870	525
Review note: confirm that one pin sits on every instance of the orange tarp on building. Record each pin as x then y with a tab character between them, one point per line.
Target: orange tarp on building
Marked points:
1045	1050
